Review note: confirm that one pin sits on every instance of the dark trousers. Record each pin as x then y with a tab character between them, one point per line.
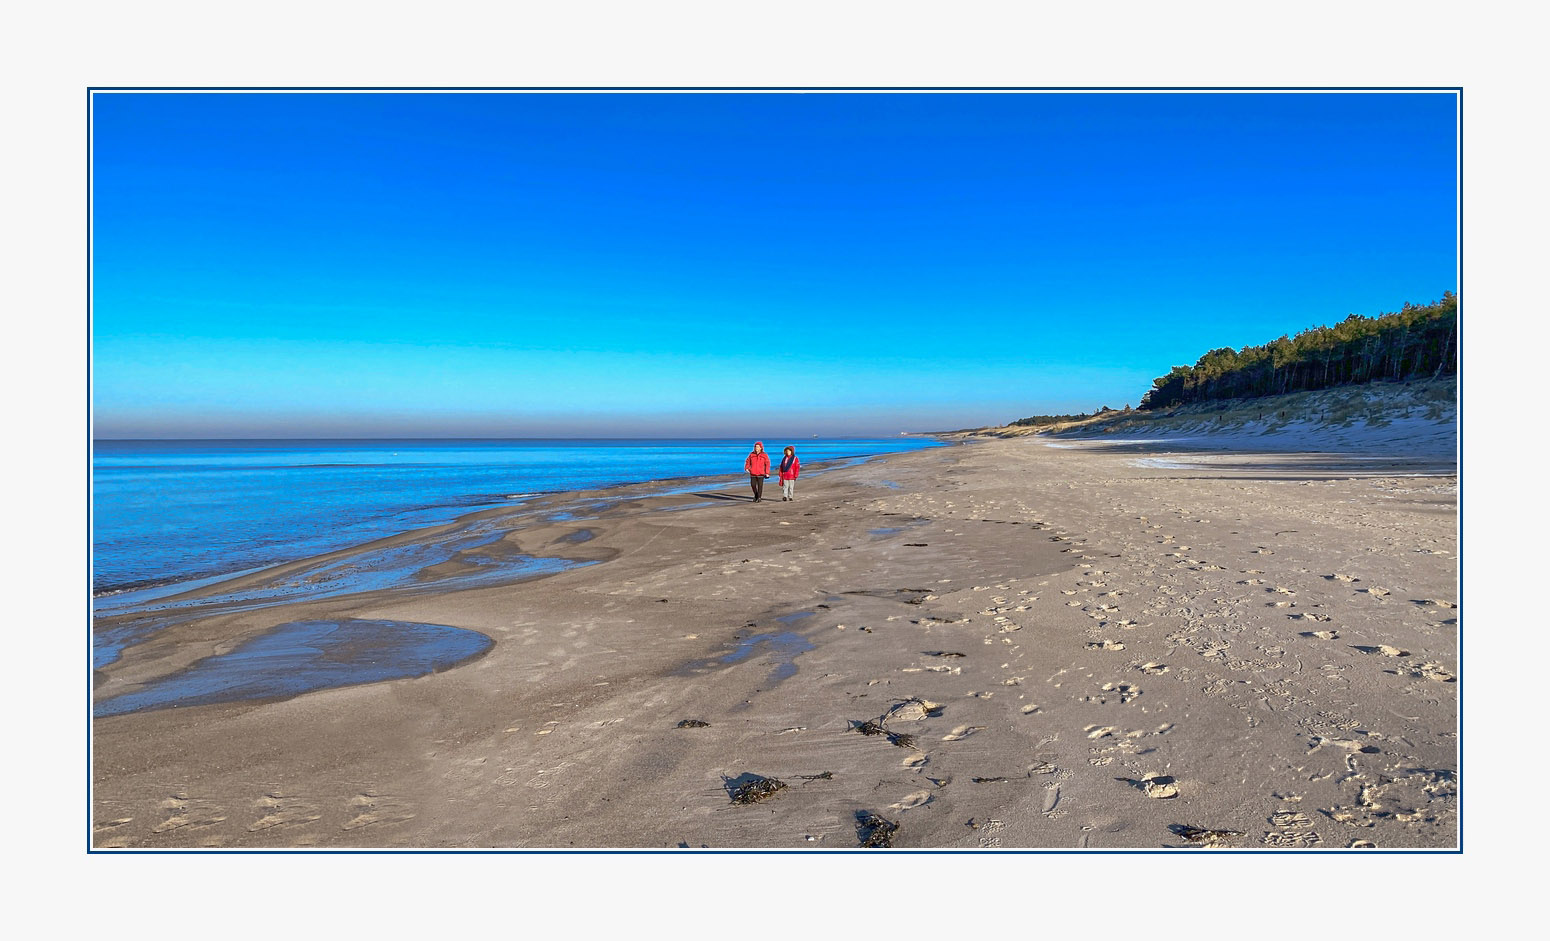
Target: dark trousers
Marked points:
757	483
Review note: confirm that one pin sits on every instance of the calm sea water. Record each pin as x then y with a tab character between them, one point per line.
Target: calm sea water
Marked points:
175	511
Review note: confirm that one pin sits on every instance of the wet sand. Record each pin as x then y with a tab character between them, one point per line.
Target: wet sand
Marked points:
1000	644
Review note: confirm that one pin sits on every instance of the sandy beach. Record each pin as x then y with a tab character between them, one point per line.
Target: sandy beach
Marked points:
1004	643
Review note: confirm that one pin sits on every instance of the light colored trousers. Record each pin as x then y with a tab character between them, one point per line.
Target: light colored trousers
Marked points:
788	488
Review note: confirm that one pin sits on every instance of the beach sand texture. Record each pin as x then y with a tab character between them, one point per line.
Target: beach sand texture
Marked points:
1000	644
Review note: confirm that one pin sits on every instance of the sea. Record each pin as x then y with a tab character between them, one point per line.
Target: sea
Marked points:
171	513
170	517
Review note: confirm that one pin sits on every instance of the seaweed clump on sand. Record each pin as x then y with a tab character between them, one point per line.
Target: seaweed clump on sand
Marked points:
693	724
910	709
873	830
874	727
756	789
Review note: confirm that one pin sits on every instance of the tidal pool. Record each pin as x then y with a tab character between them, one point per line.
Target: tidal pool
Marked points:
305	656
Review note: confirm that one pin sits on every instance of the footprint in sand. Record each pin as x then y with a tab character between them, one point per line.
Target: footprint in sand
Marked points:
1321	635
915	761
962	732
916	799
372	808
1384	649
1337	577
1126	692
281	809
1155	785
1106	645
1292	838
912	710
1293	830
183	811
1432	671
1343	744
1309	617
1291	820
1044	764
1152	668
1375	592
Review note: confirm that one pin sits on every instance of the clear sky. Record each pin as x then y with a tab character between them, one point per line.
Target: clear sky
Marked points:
707	264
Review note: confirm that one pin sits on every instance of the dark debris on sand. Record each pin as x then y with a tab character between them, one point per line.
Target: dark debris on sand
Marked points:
1204	835
873	830
756	789
874	727
693	724
914	707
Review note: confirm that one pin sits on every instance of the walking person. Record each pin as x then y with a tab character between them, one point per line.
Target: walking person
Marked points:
789	467
758	467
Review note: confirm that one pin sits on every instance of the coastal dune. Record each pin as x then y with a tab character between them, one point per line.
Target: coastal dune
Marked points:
999	644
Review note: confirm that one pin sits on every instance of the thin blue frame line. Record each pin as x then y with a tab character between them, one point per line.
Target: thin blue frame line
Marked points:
90	548
948	88
916	851
1458	412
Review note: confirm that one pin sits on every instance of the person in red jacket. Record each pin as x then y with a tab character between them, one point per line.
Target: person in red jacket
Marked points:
789	467
758	467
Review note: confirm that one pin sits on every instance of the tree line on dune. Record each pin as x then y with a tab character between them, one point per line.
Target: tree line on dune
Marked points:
1412	343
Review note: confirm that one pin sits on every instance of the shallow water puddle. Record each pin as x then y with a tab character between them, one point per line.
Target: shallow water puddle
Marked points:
783	648
304	656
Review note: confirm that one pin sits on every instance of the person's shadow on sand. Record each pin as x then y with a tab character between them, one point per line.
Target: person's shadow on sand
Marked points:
725	496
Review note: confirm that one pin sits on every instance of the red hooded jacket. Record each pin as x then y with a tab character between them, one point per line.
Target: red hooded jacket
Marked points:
790	473
758	463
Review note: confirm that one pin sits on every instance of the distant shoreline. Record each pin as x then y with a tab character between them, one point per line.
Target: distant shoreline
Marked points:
222	531
163	591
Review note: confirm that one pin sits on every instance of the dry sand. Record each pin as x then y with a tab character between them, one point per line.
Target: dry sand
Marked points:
1088	646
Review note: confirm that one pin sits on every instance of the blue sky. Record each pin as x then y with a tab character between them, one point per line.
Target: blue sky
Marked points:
729	264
